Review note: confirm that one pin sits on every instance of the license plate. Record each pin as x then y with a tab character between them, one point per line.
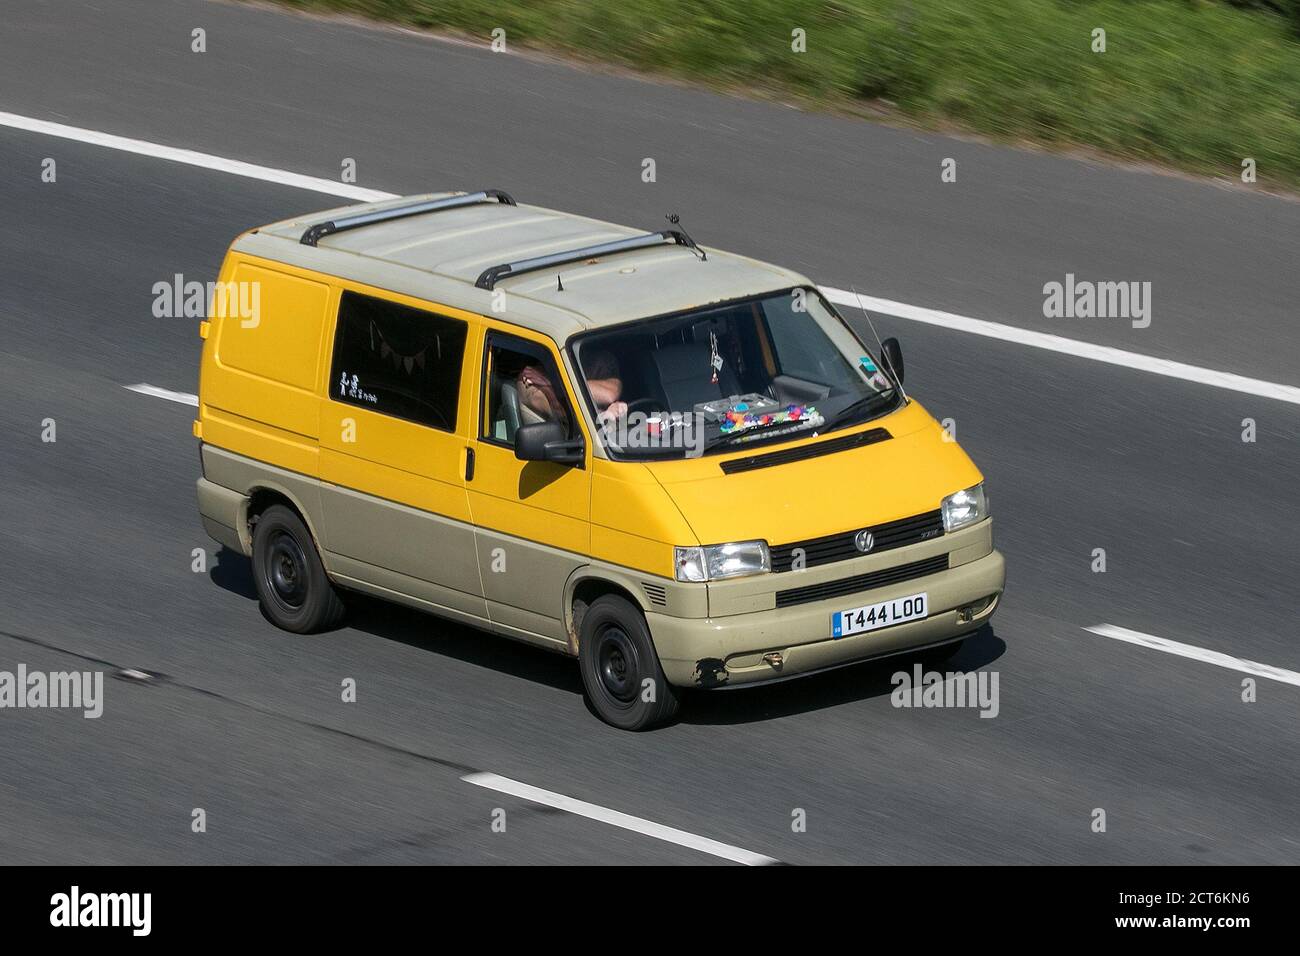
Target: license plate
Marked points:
869	617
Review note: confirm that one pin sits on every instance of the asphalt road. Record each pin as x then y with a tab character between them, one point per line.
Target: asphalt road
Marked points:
246	722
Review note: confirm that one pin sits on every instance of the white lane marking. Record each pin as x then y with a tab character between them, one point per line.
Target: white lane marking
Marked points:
1056	343
1197	653
184	398
191	158
614	818
914	313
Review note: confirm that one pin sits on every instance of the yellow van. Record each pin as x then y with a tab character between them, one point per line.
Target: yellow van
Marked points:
678	465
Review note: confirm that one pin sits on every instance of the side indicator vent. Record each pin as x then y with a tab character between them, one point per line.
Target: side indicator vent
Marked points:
656	593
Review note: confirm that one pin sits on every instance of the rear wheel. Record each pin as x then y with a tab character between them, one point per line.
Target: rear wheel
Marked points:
292	586
620	669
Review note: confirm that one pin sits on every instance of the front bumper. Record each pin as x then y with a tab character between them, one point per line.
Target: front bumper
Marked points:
741	648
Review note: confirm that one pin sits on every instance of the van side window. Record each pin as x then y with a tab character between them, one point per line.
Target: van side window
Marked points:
398	361
522	386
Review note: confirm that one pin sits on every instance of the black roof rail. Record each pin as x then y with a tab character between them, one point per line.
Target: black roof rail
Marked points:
490	276
322	229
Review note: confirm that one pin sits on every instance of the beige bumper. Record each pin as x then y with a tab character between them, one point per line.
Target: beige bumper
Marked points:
706	652
222	511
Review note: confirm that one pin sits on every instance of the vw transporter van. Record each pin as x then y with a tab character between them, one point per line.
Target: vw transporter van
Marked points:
680	466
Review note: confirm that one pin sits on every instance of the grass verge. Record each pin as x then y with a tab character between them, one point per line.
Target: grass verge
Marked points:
1196	84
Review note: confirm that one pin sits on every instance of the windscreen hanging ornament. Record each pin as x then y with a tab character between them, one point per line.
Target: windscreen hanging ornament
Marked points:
715	359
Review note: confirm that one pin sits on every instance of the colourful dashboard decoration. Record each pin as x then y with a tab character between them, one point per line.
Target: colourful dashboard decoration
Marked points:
739	417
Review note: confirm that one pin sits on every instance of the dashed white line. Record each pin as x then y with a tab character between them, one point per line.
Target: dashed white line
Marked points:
614	818
1197	653
914	313
184	398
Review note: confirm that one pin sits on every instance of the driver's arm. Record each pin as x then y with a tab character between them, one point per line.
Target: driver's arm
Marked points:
604	391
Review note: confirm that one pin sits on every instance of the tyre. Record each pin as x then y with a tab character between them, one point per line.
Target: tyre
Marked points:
292	586
620	668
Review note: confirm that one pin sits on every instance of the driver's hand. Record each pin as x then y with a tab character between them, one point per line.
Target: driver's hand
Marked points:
616	410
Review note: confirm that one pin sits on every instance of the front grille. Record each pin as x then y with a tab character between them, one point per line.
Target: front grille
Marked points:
862	582
840	547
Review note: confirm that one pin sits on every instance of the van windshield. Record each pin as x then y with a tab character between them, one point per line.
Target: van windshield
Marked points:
779	366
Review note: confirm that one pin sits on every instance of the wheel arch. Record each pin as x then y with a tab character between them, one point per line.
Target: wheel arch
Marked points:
263	495
590	582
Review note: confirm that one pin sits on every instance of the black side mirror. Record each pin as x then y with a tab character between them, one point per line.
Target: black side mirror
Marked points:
548	441
891	353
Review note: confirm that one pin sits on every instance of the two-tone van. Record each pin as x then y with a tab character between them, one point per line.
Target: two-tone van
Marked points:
678	465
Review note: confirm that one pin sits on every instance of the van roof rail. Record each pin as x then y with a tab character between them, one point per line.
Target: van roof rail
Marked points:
343	223
490	276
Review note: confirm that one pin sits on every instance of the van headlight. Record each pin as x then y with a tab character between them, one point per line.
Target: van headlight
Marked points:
965	507
716	561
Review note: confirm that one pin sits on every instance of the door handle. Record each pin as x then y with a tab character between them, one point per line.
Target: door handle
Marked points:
469	464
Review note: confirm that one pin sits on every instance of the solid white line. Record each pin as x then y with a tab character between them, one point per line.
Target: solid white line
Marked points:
1197	653
184	398
947	320
191	158
1056	343
614	818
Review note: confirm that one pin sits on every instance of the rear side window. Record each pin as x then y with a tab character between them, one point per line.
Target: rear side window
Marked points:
398	361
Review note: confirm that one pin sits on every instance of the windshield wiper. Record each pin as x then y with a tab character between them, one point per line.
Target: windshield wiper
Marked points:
853	408
754	431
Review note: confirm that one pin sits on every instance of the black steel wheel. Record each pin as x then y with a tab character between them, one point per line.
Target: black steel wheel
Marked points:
294	591
625	684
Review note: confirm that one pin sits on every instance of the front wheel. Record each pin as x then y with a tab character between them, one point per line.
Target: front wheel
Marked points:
620	669
292	586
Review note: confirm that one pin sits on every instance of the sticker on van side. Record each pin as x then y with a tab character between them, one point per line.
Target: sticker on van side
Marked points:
351	387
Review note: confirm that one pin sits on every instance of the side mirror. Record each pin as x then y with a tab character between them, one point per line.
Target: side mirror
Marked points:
891	353
548	441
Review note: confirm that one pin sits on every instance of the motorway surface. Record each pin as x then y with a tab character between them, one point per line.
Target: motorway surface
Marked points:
246	722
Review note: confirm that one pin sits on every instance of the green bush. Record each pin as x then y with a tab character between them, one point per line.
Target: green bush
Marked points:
1200	84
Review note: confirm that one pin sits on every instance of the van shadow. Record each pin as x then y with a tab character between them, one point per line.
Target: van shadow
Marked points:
395	622
742	705
234	573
